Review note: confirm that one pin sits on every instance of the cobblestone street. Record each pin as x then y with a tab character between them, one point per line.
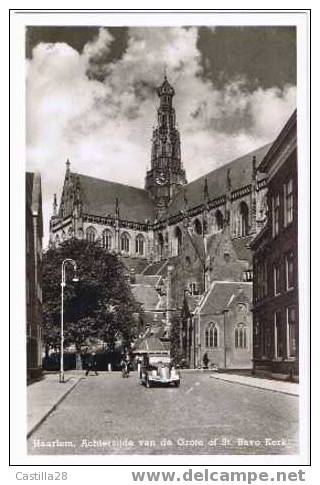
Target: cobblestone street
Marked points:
106	414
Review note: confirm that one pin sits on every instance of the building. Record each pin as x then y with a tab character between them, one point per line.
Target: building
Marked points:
34	233
275	288
202	229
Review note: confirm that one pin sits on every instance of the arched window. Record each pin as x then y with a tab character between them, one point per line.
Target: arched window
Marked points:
125	242
178	236
57	240
161	244
198	226
240	336
140	244
243	219
70	232
63	235
211	336
107	239
218	220
80	233
90	234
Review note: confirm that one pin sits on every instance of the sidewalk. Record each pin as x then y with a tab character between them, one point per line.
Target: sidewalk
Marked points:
44	396
291	388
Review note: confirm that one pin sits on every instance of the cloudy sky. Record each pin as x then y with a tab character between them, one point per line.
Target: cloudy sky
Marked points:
91	96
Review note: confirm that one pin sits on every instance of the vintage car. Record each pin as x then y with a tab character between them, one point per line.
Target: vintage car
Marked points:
157	370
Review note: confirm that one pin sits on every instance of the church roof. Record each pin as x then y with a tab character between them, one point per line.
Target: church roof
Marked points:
220	295
99	196
240	174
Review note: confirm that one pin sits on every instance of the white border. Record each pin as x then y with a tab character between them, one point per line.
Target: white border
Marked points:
18	397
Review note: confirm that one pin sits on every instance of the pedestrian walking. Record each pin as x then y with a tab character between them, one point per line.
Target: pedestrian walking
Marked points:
92	364
205	361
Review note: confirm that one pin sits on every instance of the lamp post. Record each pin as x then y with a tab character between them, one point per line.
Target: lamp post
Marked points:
63	284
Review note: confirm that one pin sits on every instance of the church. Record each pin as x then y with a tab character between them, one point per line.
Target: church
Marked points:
186	245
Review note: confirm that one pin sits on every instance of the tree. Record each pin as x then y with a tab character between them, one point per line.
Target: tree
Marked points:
100	305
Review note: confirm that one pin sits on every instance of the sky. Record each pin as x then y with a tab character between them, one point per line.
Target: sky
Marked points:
91	97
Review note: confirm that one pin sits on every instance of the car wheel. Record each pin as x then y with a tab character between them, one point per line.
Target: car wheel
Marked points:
177	383
148	383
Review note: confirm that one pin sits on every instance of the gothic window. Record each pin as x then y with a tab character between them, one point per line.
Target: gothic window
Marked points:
240	336
198	226
57	240
178	237
140	244
125	242
80	233
70	232
218	220
211	336
90	234
243	220
63	235
107	239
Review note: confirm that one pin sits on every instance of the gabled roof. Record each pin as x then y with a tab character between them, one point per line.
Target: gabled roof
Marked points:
242	249
240	175
99	198
221	293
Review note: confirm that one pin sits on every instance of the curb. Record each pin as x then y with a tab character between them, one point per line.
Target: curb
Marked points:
255	386
52	408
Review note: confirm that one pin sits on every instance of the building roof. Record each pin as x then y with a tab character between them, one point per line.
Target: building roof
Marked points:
151	345
289	127
99	198
240	174
147	295
220	295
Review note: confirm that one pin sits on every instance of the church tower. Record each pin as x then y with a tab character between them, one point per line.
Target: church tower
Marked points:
166	175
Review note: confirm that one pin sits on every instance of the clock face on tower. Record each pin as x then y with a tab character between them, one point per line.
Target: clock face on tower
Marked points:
161	179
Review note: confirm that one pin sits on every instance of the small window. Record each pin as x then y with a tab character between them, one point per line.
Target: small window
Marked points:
275	215
291	332
288	202
290	271
279	335
276	279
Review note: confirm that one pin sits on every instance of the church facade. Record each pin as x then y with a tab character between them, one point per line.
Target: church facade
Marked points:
200	230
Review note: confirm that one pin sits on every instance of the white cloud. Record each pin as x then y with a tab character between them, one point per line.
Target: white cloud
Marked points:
105	127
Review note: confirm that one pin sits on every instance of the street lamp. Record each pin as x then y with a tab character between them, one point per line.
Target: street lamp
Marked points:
63	284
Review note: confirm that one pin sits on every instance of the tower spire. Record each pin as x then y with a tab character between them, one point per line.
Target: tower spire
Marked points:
166	174
55	205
